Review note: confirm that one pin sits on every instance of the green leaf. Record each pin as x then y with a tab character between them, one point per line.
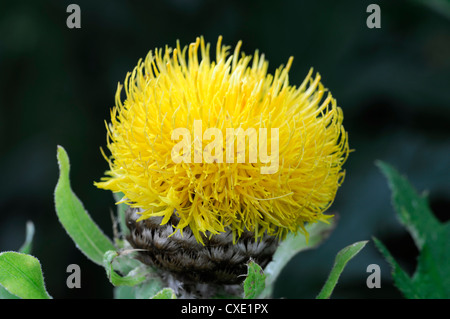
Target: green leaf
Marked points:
413	210
124	292
145	284
124	263
342	258
121	208
166	293
291	246
26	249
431	237
27	245
4	294
75	219
21	275
254	284
149	288
401	279
133	278
144	290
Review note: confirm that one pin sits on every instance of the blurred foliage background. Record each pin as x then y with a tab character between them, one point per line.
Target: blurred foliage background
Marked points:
57	86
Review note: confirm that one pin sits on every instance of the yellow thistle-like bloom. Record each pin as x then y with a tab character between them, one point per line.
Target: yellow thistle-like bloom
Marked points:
180	88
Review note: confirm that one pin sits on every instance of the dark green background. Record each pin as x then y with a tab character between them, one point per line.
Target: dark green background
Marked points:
57	86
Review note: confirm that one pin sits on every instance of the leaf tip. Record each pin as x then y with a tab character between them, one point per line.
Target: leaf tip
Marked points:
61	154
383	167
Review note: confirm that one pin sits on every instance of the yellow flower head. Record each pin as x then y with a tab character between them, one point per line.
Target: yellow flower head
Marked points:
223	144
